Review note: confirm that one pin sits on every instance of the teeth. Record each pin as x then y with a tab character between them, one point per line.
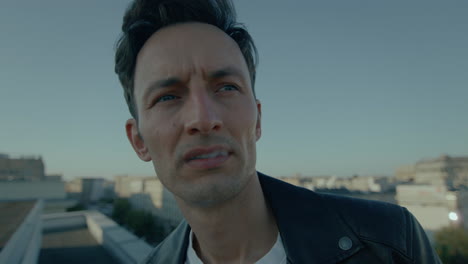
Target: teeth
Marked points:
210	155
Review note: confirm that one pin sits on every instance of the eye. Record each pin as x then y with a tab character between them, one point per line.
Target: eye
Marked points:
228	87
165	98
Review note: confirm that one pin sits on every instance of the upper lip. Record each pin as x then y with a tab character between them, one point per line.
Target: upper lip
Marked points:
203	150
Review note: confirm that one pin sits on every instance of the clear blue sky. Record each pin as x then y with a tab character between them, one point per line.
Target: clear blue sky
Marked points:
347	86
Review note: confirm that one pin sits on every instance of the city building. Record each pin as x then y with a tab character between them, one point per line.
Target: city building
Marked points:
435	191
24	178
73	188
377	188
92	190
445	170
126	185
53	177
25	168
355	183
148	193
435	206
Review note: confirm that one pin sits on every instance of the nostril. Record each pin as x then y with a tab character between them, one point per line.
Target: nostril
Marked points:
193	131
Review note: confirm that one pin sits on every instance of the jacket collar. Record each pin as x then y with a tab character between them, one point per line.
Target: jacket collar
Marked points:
311	231
173	249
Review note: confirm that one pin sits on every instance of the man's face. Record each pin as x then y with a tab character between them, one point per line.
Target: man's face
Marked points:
198	118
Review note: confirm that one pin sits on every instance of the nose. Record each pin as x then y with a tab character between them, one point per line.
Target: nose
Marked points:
202	115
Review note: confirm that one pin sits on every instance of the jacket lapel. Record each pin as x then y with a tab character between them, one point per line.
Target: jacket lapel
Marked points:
311	231
174	248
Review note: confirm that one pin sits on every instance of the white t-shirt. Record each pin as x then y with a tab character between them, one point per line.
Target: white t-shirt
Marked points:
276	255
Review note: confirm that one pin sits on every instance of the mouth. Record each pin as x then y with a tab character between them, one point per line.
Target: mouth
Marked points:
207	158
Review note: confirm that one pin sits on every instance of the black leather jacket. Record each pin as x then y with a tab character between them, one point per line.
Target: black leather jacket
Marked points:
319	228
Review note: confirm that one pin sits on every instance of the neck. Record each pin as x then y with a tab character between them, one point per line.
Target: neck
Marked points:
241	230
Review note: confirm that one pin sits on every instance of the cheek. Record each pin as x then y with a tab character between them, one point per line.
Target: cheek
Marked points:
158	131
244	122
160	143
154	140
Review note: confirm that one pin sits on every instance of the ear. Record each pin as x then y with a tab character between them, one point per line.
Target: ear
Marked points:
131	127
258	128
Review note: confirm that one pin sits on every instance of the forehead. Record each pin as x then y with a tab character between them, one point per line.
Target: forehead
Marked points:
185	49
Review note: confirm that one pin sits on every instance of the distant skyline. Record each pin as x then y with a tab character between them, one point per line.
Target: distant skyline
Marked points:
347	87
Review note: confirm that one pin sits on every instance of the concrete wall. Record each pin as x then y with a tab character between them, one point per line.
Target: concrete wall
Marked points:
421	194
119	242
63	221
58	205
430	204
23	190
24	245
430	217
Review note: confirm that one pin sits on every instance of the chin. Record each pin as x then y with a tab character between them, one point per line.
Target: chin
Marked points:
213	190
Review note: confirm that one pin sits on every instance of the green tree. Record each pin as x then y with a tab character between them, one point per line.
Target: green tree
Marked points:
451	244
138	222
121	210
76	207
142	223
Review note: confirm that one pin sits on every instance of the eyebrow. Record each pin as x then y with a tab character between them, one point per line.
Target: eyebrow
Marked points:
160	84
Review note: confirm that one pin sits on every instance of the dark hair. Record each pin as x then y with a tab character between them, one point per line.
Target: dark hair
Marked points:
145	17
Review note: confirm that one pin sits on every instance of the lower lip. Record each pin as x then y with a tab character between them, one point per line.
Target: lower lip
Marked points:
210	163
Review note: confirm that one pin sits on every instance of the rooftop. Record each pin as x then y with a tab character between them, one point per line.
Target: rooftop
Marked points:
28	236
12	215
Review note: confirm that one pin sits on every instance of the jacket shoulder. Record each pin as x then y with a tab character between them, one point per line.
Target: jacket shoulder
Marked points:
370	219
385	224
